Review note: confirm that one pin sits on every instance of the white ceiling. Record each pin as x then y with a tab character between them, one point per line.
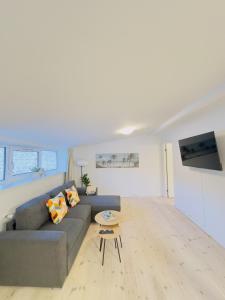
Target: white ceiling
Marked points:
74	72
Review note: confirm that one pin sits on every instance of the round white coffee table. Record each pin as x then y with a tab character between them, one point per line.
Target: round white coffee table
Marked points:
114	221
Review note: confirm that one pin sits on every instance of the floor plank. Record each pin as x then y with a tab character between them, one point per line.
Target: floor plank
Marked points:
164	256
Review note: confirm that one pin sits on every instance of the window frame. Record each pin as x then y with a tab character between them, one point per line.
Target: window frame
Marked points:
4	165
12	180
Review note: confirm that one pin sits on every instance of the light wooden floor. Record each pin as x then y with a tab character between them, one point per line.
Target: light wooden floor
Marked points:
165	256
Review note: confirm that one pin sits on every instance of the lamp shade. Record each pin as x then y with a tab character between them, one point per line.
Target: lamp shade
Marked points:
82	163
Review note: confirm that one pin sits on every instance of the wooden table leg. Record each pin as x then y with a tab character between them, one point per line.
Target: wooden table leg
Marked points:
100	249
118	249
103	255
120	242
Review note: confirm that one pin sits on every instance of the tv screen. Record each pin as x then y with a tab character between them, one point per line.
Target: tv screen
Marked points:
200	151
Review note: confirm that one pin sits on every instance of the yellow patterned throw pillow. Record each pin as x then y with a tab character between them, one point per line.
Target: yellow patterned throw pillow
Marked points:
57	208
72	196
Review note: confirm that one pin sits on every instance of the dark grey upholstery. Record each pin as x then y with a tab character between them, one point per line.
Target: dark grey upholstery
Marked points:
42	253
82	212
68	184
75	249
100	203
61	188
82	191
32	214
72	228
11	224
33	258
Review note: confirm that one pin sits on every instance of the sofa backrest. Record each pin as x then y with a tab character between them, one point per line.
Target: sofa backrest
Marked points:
61	188
32	214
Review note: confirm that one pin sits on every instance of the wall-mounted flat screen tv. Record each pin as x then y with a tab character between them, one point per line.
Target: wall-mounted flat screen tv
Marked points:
200	151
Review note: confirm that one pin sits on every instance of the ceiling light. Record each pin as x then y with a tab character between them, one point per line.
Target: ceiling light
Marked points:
127	130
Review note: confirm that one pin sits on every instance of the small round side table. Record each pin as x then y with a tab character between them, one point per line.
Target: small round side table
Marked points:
112	224
104	237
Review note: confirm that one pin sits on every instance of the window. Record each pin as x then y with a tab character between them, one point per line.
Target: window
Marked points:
2	163
48	160
24	161
20	164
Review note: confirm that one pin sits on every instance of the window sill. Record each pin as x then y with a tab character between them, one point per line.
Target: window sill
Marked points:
13	181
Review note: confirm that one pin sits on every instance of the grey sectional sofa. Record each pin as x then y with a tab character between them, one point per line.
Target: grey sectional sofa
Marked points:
40	253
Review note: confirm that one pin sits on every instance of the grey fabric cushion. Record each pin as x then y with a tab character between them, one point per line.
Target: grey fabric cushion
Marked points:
82	212
72	227
100	203
32	214
61	188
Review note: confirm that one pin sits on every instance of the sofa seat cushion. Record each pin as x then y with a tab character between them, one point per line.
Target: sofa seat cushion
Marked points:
101	202
72	227
32	214
82	212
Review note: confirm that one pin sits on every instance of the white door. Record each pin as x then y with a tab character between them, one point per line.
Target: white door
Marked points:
168	170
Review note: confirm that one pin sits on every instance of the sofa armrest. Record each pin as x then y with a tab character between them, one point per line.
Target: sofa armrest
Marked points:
33	258
81	191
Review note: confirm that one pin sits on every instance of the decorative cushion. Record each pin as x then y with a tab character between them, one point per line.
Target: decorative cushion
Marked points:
72	196
57	208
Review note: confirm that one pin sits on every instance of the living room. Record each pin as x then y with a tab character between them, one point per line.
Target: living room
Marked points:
112	150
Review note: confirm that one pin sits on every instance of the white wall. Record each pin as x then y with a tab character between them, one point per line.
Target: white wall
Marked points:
13	197
142	181
200	194
168	172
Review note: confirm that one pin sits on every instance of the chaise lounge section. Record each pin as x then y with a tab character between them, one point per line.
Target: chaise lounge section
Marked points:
40	253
